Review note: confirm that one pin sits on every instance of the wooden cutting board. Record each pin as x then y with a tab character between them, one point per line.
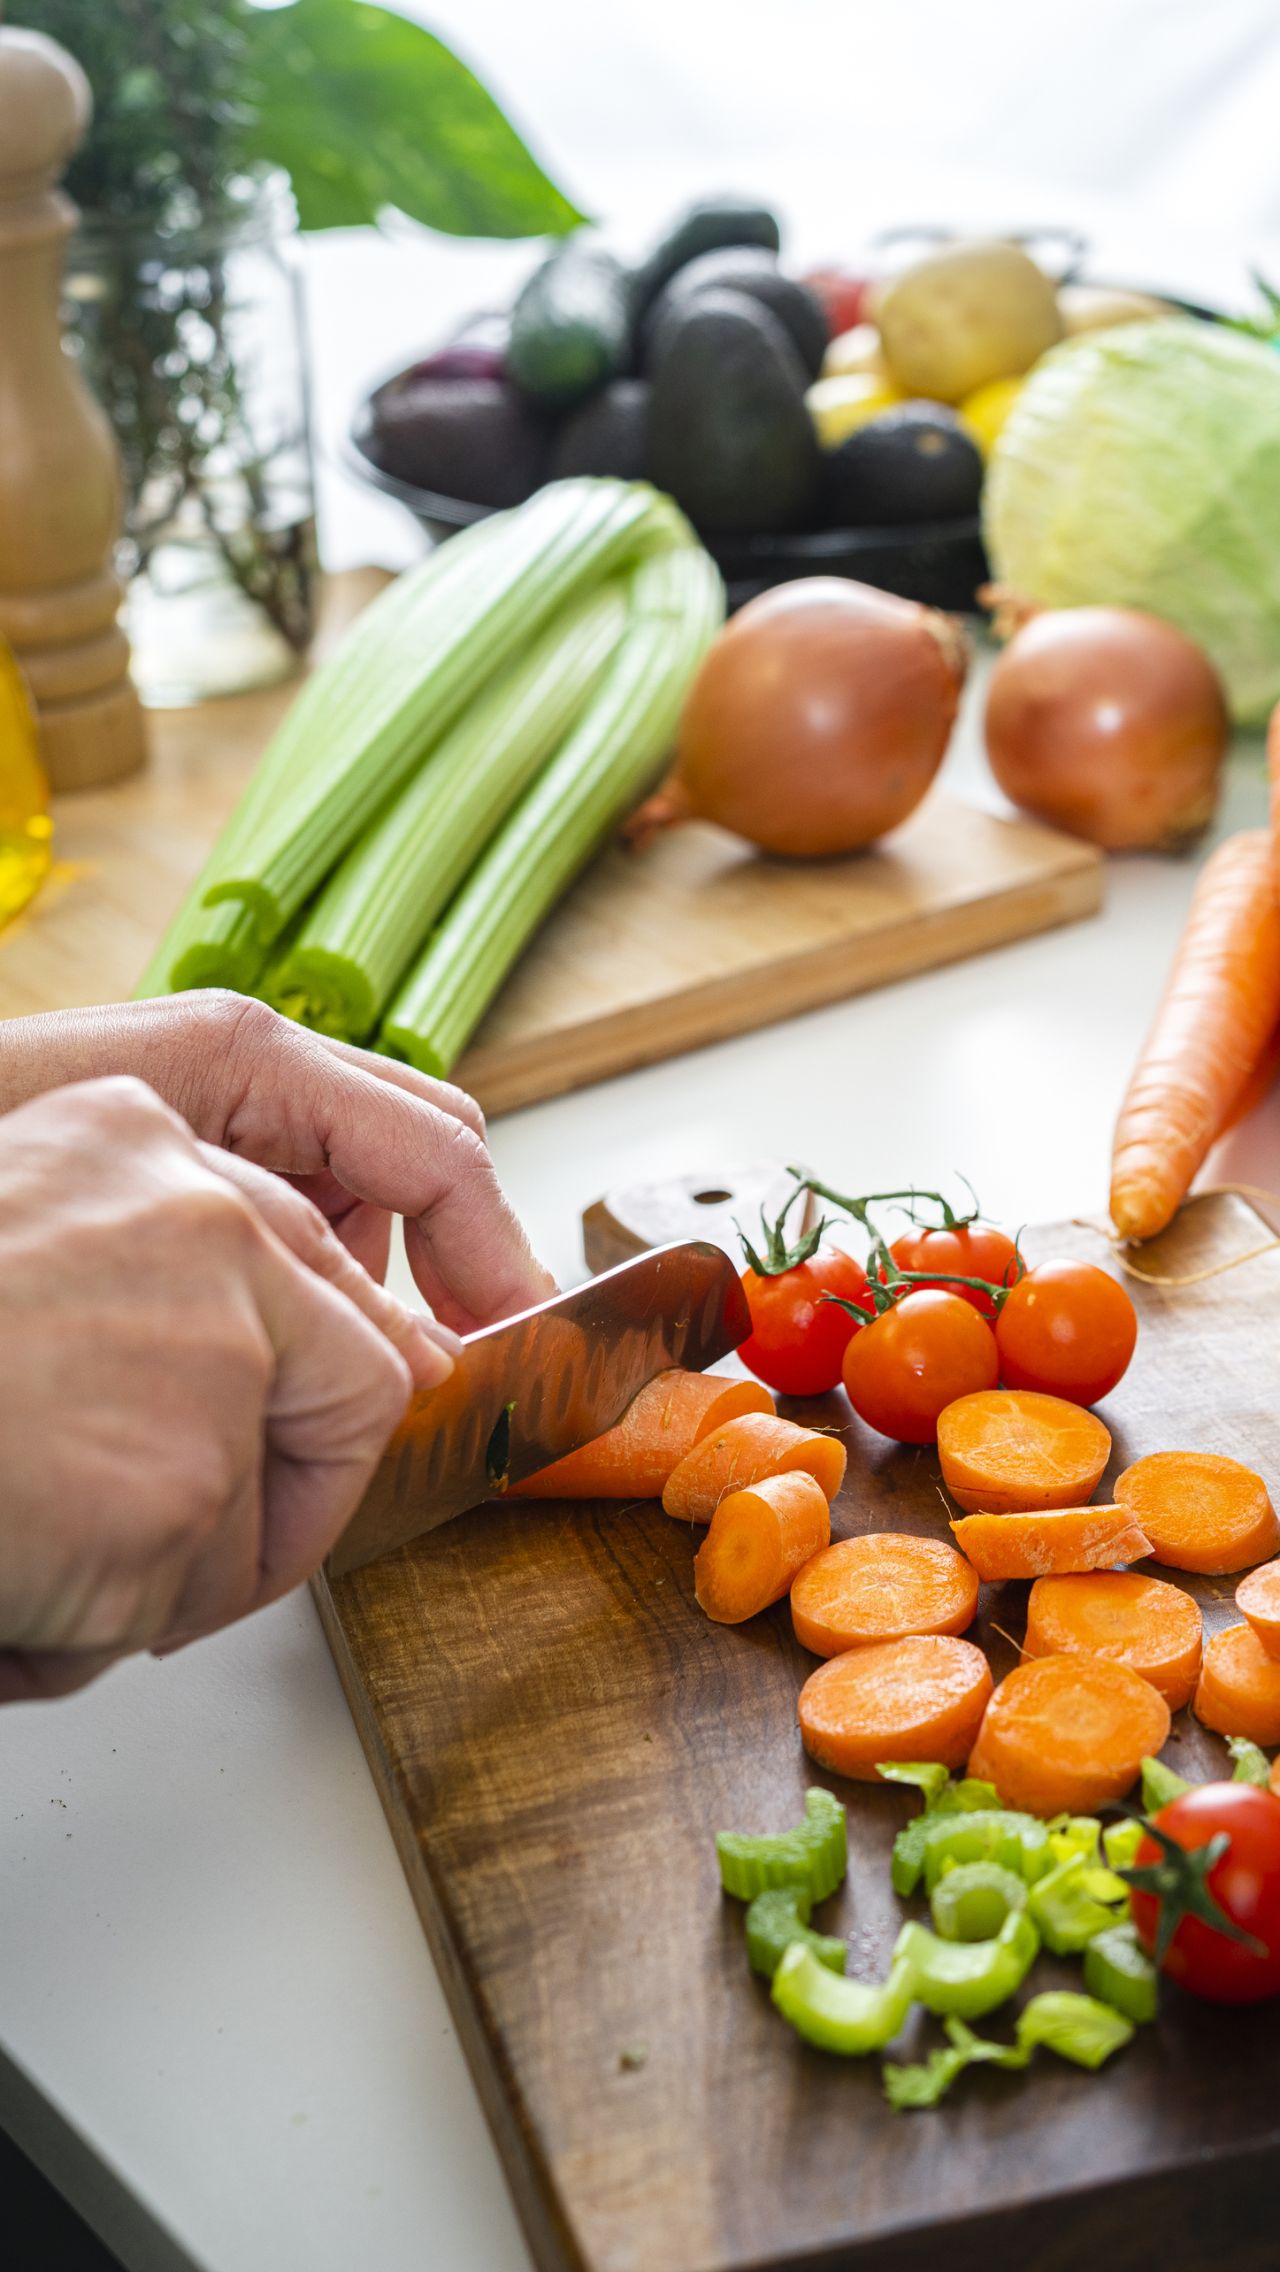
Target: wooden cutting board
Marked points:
650	956
557	1731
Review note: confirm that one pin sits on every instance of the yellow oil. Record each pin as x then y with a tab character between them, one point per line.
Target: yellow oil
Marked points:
26	831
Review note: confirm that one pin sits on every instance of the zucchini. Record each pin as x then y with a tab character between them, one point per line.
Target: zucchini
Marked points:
571	326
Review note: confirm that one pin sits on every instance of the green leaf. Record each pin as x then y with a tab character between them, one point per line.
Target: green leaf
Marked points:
366	111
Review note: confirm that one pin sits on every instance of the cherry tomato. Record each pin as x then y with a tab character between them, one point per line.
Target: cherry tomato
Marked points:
1067	1329
905	1368
846	296
968	1250
797	1341
1245	1884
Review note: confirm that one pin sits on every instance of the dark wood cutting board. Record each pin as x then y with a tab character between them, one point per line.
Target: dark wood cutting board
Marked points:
557	1731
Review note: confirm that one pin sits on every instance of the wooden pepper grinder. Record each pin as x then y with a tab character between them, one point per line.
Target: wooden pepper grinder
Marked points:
60	489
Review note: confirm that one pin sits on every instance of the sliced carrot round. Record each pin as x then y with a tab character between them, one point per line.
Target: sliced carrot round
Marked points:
1239	1687
1200	1511
1066	1735
758	1541
1007	1451
1142	1622
1054	1539
880	1588
743	1452
921	1698
659	1427
1258	1600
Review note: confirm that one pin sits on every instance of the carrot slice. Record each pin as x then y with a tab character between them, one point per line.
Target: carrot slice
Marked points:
744	1452
1200	1511
922	1698
1219	1008
759	1540
1142	1622
1005	1451
1053	1539
1067	1735
658	1429
880	1588
1239	1688
1258	1600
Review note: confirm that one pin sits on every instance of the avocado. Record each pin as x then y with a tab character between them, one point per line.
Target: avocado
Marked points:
911	464
703	227
470	438
749	269
571	326
729	433
608	434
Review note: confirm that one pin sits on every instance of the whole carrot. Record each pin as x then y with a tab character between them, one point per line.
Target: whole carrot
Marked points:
1220	1006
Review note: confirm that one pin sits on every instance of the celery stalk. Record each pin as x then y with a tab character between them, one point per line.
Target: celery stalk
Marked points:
610	757
374	914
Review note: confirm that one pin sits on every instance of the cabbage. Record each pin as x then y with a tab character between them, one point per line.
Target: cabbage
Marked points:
1140	467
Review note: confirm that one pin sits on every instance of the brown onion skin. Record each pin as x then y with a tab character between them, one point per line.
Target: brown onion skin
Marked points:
1110	724
818	720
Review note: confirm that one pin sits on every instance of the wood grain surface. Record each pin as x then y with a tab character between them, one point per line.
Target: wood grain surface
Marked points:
557	1731
649	956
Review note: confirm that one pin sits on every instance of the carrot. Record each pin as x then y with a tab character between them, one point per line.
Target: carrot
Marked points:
759	1540
922	1698
744	1452
1067	1735
658	1429
1050	1540
1145	1623
880	1588
1259	1085
1201	1512
1005	1451
1239	1687
1258	1600
1220	1006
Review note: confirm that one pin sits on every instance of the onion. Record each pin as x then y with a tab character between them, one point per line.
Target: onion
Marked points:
1109	723
817	720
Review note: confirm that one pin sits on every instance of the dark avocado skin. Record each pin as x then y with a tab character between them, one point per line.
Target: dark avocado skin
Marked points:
729	433
911	465
704	227
472	438
571	326
740	268
609	434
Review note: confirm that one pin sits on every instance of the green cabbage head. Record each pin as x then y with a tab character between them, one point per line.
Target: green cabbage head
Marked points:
1140	467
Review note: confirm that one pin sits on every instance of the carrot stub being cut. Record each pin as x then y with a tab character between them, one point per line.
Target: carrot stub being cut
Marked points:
881	1587
922	1698
1053	1540
658	1429
745	1452
1220	1007
1239	1687
1201	1511
759	1539
1005	1451
1258	1600
1145	1623
1067	1735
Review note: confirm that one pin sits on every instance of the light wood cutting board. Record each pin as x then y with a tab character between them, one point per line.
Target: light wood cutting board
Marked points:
651	955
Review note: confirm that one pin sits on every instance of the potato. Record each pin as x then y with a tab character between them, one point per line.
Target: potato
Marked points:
963	316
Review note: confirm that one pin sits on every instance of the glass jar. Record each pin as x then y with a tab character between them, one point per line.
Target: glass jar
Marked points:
192	341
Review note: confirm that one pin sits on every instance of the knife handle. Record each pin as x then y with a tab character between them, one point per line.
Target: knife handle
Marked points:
703	1205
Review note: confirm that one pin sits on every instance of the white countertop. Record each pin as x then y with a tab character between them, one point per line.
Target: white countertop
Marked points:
227	2041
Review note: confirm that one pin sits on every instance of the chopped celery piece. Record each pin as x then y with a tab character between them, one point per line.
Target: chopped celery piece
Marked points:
1251	1764
815	1855
929	1777
776	1921
925	2084
968	1978
848	2016
1017	1841
968	1797
1067	1912
1160	1785
1120	1843
972	1901
1076	2027
373	915
609	758
1118	1971
1071	1834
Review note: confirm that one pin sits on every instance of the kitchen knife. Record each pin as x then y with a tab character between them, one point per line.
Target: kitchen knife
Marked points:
526	1391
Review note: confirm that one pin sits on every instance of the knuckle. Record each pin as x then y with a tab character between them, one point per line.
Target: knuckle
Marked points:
466	1111
120	1101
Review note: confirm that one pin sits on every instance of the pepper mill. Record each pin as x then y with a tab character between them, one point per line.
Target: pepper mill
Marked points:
60	490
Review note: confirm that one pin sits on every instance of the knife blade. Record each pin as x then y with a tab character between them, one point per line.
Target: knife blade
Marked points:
528	1390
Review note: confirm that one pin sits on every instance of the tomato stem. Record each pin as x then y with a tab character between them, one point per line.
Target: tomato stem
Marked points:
1179	1882
858	1208
778	1257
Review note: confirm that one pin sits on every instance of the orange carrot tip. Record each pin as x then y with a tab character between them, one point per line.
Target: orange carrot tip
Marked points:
881	1587
920	1698
658	1429
760	1538
1146	1623
1059	1539
744	1452
1239	1687
1200	1511
1006	1451
1067	1735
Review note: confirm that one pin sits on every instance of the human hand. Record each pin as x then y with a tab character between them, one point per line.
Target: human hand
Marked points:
196	1382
